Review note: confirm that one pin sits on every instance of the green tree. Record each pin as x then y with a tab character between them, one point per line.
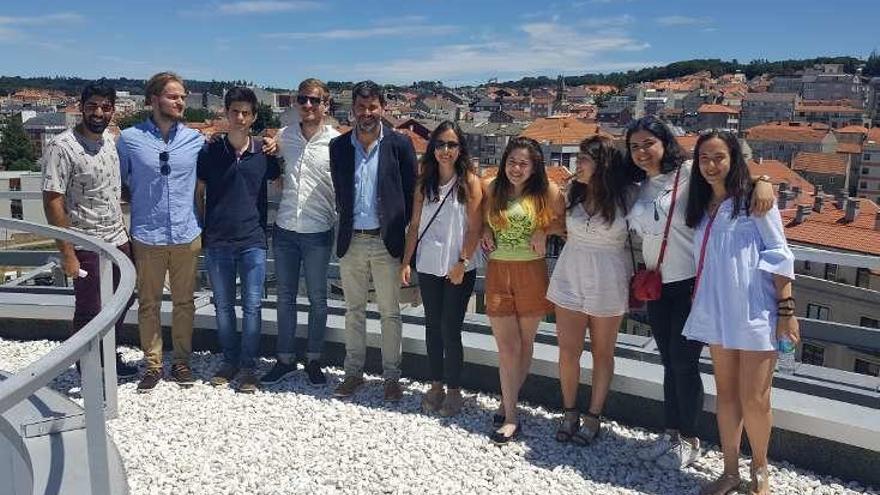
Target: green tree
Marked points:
197	114
132	119
15	146
266	119
872	66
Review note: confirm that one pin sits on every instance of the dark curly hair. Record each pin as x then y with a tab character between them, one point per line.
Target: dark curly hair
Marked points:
607	186
673	154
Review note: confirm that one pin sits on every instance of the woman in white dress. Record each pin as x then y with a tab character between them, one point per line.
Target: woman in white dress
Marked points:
742	301
589	282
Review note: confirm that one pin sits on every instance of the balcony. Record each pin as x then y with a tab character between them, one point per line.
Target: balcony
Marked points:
292	438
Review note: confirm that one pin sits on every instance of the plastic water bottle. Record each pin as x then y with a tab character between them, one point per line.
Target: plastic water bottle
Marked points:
785	363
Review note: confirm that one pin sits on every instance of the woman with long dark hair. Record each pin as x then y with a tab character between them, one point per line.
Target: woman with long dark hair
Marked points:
739	317
520	208
446	225
655	160
589	282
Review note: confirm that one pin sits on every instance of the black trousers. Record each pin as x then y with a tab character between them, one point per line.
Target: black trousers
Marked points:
445	305
682	387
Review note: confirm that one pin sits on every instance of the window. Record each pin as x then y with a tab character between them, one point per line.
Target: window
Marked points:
866	367
808	266
830	271
863	277
866	321
866	170
818	312
867	157
813	354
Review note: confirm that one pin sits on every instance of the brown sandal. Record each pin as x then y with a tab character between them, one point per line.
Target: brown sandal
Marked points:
590	426
725	484
569	426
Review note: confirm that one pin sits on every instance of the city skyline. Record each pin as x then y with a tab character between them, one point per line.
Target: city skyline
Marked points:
279	42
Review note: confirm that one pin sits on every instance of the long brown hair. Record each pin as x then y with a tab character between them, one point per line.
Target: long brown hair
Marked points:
606	187
534	194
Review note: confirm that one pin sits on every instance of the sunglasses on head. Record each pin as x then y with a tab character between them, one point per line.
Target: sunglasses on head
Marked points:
165	168
314	100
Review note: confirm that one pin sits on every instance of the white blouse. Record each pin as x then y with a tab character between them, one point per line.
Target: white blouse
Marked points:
735	301
648	219
440	247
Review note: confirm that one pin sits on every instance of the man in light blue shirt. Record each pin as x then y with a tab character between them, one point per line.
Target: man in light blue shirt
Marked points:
366	172
157	160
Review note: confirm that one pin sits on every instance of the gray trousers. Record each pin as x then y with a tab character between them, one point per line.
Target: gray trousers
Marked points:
367	257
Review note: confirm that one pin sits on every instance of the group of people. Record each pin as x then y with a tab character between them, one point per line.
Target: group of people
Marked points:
708	231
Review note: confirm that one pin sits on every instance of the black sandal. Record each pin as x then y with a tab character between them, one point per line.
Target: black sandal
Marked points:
587	433
569	426
499	438
498	419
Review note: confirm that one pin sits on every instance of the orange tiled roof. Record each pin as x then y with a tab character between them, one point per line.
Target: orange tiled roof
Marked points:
828	108
854	148
852	129
600	89
709	108
560	130
687	143
829	230
419	143
779	173
796	132
821	163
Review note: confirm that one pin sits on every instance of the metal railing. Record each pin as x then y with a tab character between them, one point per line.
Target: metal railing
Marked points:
86	346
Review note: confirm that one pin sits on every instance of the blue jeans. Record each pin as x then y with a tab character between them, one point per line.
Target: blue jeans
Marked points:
250	265
312	251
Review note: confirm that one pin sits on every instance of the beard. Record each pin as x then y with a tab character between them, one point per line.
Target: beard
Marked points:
368	126
170	116
96	127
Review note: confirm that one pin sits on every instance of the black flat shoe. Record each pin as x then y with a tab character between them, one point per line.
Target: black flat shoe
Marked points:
498	420
499	438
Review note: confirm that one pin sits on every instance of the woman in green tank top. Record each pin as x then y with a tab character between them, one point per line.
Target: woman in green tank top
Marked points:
520	206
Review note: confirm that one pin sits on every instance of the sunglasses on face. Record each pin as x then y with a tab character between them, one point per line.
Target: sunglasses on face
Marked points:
91	107
447	145
165	169
314	100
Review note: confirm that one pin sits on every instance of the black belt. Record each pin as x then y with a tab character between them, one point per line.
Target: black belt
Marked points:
367	231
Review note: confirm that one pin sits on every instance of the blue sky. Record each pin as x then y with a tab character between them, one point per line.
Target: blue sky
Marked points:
279	42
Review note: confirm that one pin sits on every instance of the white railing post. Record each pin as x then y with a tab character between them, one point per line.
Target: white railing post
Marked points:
109	340
96	427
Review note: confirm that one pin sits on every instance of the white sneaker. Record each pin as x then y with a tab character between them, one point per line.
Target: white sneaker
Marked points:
655	450
681	455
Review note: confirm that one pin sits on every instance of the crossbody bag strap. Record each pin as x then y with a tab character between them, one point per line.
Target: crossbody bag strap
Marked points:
703	249
436	213
669	219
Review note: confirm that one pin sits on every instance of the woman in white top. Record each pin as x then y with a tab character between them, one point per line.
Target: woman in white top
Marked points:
742	301
655	159
444	232
589	282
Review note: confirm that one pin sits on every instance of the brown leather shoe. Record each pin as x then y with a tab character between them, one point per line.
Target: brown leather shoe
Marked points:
433	399
248	382
348	386
224	375
393	392
182	374
150	380
452	403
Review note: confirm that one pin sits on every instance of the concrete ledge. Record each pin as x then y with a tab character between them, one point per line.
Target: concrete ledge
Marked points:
822	434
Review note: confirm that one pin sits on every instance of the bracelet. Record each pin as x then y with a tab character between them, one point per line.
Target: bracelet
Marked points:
785	299
763	178
785	313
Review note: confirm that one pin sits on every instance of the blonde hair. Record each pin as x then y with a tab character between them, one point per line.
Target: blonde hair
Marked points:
157	83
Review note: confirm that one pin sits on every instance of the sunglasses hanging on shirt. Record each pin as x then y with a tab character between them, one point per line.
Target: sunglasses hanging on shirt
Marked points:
164	167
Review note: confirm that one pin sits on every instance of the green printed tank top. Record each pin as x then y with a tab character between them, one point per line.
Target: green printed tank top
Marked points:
512	242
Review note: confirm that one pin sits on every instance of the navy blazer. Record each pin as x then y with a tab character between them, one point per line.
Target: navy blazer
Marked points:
395	186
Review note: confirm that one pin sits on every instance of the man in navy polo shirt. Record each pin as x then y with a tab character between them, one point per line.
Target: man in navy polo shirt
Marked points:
232	173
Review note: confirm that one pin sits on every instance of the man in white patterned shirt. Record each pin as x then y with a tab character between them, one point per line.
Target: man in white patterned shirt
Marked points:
81	191
303	234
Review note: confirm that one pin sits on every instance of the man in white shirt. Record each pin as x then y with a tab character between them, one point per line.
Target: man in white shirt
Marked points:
303	234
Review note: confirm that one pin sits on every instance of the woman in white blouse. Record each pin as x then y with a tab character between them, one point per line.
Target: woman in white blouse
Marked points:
742	301
589	282
445	226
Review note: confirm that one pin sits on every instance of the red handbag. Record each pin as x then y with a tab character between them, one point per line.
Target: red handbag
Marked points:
646	285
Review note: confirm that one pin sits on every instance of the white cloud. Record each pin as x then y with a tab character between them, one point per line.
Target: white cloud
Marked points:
539	48
607	22
683	20
41	20
267	6
403	30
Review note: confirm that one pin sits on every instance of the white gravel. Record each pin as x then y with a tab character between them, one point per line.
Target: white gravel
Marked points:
293	438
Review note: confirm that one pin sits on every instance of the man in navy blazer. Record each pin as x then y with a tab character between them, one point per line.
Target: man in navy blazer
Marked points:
373	170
